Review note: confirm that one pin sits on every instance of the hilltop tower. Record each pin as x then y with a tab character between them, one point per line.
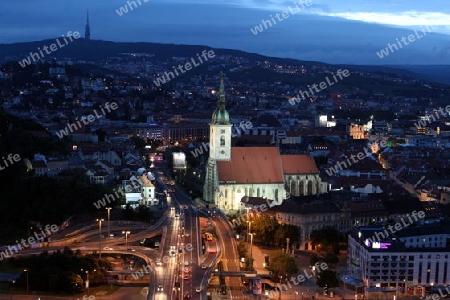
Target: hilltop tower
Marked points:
87	30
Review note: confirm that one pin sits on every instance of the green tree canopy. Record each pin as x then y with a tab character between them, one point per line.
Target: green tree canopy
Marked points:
282	264
327	239
327	278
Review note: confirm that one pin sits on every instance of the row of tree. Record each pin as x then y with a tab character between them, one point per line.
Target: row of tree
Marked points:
266	230
61	271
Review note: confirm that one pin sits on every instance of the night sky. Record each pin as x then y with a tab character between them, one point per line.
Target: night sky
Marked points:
335	31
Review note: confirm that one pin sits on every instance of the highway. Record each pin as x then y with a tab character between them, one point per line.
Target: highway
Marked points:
179	269
229	255
183	233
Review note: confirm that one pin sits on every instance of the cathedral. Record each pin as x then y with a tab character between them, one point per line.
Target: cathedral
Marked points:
235	172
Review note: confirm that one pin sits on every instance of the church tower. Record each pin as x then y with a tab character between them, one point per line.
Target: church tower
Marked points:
87	29
220	129
219	143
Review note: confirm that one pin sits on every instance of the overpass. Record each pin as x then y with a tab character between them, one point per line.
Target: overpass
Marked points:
234	273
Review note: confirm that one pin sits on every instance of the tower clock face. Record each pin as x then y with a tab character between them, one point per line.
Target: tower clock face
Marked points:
222	152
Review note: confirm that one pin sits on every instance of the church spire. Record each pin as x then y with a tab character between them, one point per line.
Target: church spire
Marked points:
221	89
220	115
87	29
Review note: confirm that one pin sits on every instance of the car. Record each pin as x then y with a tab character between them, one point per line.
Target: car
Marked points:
187	234
160	288
108	248
186	270
185	207
177	215
203	266
187	296
144	291
198	289
131	249
186	263
186	277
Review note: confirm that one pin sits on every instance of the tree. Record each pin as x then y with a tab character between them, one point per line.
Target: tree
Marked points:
242	249
327	239
264	227
313	259
327	278
285	231
282	264
331	259
139	142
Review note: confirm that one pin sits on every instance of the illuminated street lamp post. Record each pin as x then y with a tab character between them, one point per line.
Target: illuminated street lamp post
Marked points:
28	286
126	238
100	236
251	251
109	214
10	288
87	283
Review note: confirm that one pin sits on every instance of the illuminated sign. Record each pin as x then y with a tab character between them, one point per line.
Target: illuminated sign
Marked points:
378	245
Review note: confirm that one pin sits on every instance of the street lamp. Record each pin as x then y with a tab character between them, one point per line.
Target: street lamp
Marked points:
279	294
73	291
10	288
109	214
126	238
404	286
28	285
87	283
251	251
100	236
249	234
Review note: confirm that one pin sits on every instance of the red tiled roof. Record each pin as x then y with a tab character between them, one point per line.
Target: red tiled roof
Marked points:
252	165
299	164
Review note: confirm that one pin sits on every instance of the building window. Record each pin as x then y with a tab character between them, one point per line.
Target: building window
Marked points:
436	274
445	273
419	279
222	140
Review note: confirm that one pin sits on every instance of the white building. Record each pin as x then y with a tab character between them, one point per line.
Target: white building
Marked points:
139	190
413	259
235	172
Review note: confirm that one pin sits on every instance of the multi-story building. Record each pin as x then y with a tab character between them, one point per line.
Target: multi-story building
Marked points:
313	216
412	260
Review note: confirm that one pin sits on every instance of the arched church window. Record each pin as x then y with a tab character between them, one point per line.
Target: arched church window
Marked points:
222	140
